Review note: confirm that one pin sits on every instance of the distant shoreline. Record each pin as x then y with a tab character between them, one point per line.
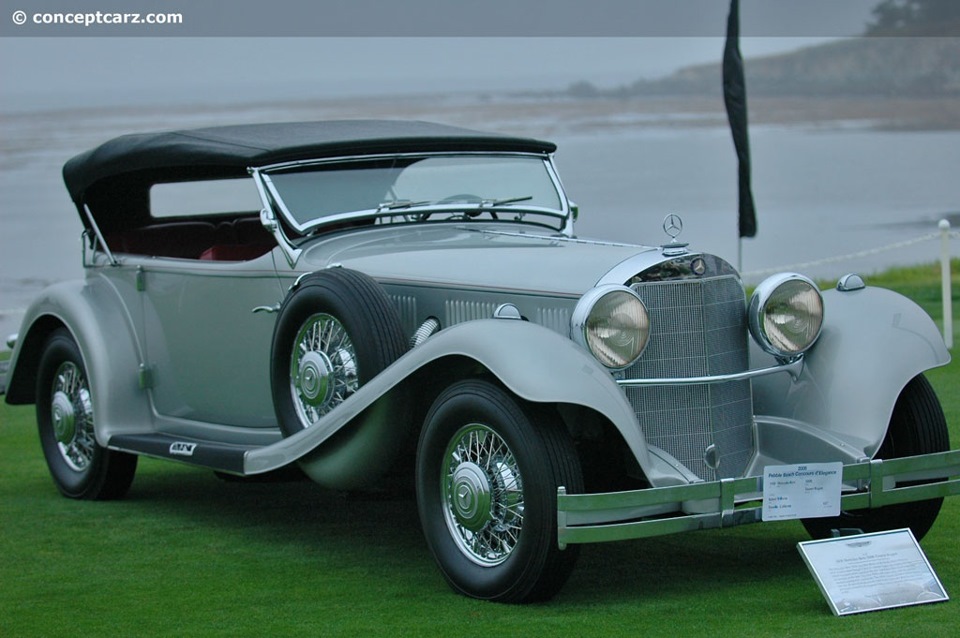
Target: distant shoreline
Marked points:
545	115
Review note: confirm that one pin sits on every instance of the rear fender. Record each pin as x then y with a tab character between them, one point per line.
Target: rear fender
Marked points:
93	314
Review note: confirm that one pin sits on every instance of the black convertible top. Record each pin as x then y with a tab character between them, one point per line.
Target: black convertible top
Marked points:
133	162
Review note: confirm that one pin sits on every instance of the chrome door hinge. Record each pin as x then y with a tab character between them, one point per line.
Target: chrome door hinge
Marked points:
146	377
141	279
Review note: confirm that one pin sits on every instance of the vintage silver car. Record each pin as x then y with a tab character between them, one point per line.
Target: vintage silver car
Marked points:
351	297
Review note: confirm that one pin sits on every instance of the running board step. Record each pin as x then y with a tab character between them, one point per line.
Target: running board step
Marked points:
217	456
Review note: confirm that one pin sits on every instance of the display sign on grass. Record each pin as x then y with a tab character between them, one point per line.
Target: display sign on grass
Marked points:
869	572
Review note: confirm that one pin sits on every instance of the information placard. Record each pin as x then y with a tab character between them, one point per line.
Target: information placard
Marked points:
801	491
869	572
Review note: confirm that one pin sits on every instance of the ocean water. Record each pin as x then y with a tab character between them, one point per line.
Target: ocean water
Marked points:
822	193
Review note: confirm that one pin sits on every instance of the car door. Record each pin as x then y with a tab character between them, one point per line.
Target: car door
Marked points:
208	329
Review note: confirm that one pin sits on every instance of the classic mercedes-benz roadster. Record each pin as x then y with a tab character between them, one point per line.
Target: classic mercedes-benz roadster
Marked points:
350	297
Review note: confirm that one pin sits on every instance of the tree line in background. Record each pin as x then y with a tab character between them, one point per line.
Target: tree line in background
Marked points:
915	17
912	50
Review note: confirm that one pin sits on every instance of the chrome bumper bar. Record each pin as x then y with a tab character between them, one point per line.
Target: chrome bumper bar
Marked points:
597	518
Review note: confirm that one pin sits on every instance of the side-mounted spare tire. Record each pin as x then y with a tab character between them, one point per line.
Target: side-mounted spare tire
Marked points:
336	330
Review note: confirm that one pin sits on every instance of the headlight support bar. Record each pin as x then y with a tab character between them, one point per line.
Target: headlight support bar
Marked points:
794	368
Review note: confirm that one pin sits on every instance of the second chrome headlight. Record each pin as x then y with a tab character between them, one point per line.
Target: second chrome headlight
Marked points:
786	314
613	324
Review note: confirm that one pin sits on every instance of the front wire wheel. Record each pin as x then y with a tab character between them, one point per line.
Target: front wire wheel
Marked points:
79	466
488	469
483	495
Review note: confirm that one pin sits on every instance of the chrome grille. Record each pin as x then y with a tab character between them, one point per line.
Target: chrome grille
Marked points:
698	328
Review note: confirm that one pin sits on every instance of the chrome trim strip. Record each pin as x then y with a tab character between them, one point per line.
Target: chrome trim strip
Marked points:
560	238
96	229
269	219
793	368
567	228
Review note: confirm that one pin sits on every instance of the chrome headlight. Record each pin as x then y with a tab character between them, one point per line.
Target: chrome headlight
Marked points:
786	314
612	323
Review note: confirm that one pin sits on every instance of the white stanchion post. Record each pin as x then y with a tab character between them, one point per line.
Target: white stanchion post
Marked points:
946	282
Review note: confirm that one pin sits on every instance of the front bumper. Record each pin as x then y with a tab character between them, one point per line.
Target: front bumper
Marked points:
596	518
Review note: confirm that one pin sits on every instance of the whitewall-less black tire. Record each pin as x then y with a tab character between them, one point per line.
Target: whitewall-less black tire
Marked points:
917	426
79	466
488	468
335	332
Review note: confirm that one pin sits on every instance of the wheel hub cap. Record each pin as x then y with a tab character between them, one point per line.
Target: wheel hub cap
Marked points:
314	378
64	416
483	495
471	497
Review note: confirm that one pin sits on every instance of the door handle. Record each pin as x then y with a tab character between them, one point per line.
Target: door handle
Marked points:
274	308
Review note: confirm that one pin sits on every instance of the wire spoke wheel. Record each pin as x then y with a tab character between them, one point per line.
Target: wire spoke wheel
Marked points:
80	467
336	331
488	469
71	412
483	490
323	368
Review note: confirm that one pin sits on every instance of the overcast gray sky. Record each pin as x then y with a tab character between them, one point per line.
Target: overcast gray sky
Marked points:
45	71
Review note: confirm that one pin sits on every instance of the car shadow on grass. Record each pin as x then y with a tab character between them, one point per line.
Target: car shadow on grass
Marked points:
376	527
300	507
692	566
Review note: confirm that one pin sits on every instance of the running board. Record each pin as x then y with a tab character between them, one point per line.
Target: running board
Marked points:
217	456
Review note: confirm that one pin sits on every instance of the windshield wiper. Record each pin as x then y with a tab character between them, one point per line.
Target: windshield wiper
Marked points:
470	208
502	202
400	204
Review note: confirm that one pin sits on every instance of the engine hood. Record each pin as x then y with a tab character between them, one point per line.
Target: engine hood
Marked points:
479	256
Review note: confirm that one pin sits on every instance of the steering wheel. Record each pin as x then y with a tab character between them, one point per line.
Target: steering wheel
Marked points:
468	198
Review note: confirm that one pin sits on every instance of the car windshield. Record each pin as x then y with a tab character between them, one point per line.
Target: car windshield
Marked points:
405	186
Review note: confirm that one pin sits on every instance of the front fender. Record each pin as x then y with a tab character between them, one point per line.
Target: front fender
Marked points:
533	362
873	342
94	315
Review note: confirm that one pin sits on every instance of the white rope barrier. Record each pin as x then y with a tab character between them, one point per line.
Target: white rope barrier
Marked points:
944	234
857	255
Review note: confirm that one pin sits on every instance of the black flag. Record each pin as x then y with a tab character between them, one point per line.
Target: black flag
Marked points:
735	99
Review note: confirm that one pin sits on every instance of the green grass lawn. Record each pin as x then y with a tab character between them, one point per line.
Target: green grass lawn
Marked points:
187	554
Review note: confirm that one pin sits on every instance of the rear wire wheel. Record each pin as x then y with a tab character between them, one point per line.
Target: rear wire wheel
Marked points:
80	467
488	469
